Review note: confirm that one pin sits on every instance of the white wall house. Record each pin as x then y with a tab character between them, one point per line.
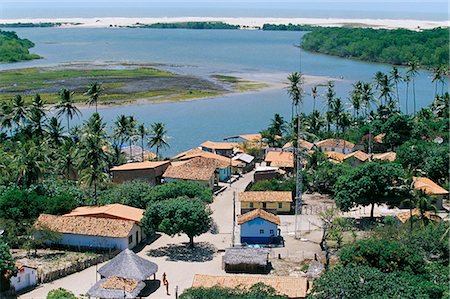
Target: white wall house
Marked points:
25	278
93	232
336	145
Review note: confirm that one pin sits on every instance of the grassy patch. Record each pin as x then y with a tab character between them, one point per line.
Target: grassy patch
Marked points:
239	84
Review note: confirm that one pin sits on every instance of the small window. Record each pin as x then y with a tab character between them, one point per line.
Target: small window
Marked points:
130	239
18	279
261	231
332	149
280	205
251	205
264	205
272	232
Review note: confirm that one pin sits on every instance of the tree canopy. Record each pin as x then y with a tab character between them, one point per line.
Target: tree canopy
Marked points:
257	291
14	48
399	46
7	267
368	184
178	215
60	294
180	188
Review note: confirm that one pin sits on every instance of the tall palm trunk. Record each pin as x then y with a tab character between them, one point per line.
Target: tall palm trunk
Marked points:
142	150
398	96
414	94
407	98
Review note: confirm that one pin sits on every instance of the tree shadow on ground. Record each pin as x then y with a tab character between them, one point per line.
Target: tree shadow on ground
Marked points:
366	223
202	252
150	287
149	240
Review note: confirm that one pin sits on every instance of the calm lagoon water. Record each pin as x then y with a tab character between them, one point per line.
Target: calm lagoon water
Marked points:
203	52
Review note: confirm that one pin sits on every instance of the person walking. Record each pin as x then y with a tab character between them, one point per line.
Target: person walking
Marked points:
166	283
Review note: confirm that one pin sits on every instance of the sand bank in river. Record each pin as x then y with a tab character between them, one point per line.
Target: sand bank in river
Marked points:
250	22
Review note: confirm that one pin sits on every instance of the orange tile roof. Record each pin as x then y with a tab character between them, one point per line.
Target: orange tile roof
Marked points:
139	165
251	137
196	152
360	155
117	211
404	216
336	156
290	286
428	186
91	226
20	266
258	213
332	142
280	159
266	196
220	145
379	138
389	156
197	169
303	144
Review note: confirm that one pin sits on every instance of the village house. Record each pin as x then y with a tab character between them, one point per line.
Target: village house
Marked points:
388	156
284	160
112	226
306	145
226	166
259	227
245	162
356	158
251	137
134	153
335	157
199	169
226	149
376	143
25	279
290	286
246	260
335	145
432	189
147	171
263	173
277	202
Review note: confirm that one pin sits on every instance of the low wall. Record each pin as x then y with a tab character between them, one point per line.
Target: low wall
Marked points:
76	267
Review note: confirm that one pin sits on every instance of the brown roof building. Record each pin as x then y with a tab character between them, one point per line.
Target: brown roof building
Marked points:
273	201
292	287
335	145
221	148
258	213
115	211
198	169
280	159
147	171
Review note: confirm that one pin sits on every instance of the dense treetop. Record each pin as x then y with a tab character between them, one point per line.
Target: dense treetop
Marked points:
429	47
13	48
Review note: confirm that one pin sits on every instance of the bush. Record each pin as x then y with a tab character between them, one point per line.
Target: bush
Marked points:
274	185
257	291
134	194
60	294
385	255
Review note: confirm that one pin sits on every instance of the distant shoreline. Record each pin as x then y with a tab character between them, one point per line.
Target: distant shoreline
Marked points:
244	23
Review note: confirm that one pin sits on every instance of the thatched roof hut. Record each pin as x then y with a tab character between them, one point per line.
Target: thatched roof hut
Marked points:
116	287
128	265
246	260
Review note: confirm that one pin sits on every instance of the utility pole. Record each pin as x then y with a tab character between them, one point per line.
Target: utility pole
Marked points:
234	219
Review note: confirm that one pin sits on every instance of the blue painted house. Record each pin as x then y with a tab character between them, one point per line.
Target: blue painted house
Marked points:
259	227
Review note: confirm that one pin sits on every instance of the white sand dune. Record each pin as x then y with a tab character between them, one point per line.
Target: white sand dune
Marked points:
248	22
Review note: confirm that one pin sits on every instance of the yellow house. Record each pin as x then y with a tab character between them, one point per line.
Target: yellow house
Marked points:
277	202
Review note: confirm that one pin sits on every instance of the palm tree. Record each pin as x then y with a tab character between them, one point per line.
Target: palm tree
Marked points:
355	98
19	111
366	96
37	114
329	102
413	71
5	116
93	158
142	132
385	89
337	109
277	125
294	90
66	106
93	92
158	137
121	129
30	161
437	77
315	122
66	158
314	94
396	78
54	132
130	132
407	79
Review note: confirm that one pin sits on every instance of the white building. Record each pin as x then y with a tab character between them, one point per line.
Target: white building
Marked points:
25	278
335	145
107	227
